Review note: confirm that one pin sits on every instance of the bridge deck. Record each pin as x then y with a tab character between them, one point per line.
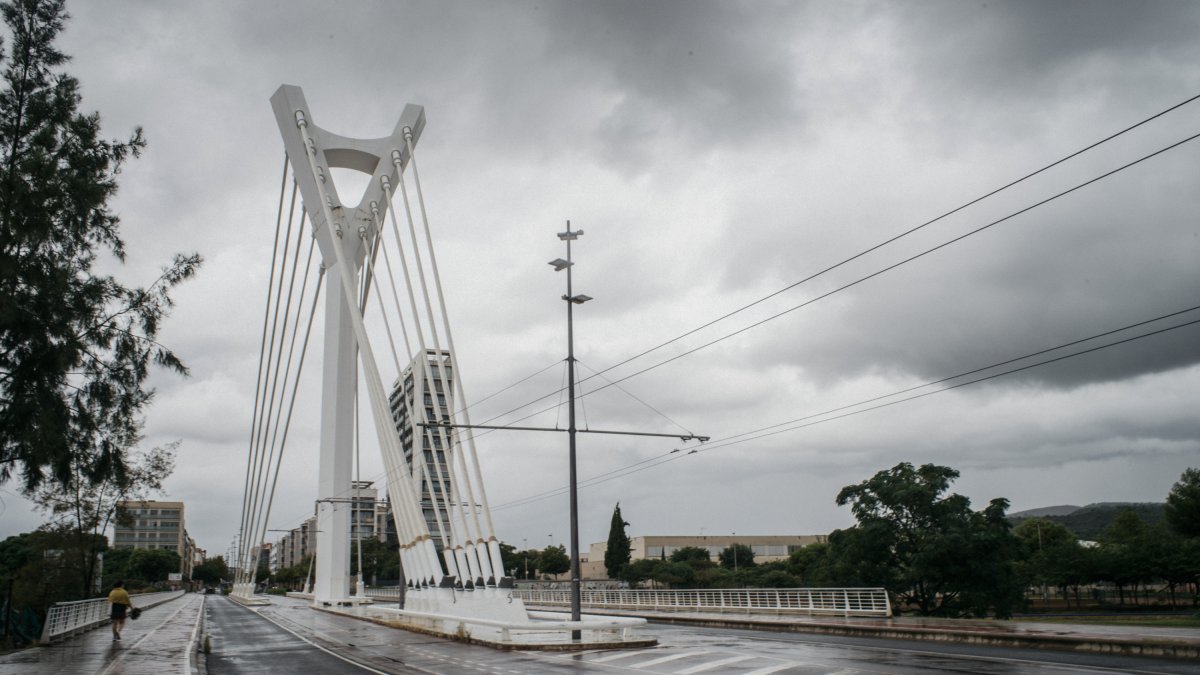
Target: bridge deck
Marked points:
159	643
156	644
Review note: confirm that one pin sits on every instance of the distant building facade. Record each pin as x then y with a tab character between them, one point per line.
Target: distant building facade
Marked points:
296	544
149	524
766	548
418	397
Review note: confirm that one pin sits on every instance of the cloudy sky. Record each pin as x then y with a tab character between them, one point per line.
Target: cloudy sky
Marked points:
714	153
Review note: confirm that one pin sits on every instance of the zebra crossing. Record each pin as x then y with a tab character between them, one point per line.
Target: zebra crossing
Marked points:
690	660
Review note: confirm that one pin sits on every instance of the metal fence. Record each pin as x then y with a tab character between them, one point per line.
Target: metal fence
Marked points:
809	601
70	618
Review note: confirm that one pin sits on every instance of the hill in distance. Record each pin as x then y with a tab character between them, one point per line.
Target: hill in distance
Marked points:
1045	511
1089	522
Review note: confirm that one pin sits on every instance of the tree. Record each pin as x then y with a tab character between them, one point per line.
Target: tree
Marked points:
810	565
616	556
75	346
1048	549
1183	504
737	556
554	560
211	571
81	509
152	565
527	562
379	561
693	555
931	550
40	576
673	574
509	558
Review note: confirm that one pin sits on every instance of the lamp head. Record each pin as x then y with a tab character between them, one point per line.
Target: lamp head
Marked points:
560	264
569	235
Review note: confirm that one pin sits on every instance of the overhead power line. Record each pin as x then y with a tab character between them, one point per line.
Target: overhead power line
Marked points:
847	410
860	280
856	256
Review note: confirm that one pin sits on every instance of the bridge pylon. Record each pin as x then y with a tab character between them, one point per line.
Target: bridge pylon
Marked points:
344	233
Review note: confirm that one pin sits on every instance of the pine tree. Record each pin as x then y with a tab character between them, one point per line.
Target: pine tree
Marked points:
616	556
75	346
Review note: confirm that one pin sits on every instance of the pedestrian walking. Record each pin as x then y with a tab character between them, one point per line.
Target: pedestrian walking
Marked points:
119	599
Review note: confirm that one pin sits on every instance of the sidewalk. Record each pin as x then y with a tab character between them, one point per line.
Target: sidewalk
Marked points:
159	643
1128	640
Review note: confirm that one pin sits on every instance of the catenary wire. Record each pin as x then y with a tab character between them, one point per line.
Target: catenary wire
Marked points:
860	280
847	260
871	249
764	431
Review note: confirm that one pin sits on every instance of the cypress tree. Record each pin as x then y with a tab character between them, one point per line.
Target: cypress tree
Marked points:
616	556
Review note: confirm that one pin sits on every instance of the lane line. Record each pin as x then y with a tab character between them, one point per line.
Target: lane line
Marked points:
715	664
331	653
776	668
126	652
950	654
672	657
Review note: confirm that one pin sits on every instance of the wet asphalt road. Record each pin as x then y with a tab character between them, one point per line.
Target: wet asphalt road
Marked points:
246	642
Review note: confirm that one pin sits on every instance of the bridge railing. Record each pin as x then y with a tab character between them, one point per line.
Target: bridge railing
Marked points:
809	601
70	618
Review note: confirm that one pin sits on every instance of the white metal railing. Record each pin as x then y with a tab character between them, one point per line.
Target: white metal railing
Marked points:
68	618
811	601
383	592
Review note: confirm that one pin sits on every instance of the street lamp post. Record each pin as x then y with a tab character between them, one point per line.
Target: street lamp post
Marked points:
559	264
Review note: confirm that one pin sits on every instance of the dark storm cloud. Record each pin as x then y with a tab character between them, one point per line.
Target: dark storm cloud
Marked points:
715	73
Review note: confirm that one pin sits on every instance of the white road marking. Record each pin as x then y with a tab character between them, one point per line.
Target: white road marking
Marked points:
775	669
715	664
672	657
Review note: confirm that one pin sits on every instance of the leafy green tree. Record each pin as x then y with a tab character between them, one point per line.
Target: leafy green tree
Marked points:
152	565
41	576
75	346
379	560
776	578
1126	553
211	572
1047	548
640	570
295	576
1183	504
673	574
695	556
810	566
81	510
527	562
931	551
616	556
554	560
509	559
737	556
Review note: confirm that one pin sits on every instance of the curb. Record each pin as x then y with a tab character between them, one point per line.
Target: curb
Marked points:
1123	647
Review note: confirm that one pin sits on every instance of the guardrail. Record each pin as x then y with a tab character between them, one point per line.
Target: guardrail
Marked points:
71	618
810	601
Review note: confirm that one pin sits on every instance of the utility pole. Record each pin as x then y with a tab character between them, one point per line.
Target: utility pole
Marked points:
572	299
